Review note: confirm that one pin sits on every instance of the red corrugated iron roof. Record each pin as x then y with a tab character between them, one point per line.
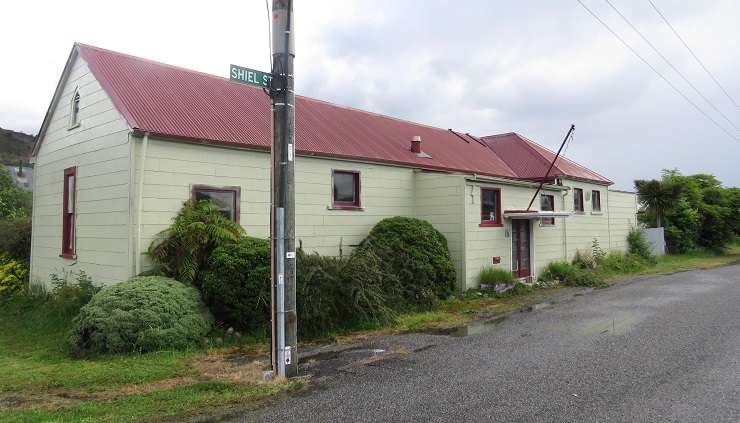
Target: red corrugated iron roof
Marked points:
530	160
180	103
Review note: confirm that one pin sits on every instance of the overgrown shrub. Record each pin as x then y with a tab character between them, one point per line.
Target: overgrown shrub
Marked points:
638	244
14	201
142	314
13	277
15	238
417	255
624	263
237	286
70	292
495	275
570	274
183	249
584	260
331	292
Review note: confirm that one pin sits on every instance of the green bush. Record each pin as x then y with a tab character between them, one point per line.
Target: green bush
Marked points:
183	249
13	277
638	244
331	292
417	255
494	275
237	285
584	260
15	238
570	274
69	296
142	314
14	201
625	263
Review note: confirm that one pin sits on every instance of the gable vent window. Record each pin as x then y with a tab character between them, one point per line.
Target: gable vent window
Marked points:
74	113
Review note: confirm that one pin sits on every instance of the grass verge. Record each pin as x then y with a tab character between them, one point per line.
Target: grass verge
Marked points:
41	383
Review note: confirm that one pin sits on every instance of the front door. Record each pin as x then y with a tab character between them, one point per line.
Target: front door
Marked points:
520	263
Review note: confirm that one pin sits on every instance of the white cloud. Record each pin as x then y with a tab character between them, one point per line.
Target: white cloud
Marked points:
485	67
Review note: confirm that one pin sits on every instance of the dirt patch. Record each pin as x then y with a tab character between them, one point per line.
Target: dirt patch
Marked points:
229	367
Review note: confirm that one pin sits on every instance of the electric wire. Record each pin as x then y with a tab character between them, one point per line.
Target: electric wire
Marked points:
667	81
699	61
675	69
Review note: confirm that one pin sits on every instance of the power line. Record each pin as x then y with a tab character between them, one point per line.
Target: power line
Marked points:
665	59
694	54
667	81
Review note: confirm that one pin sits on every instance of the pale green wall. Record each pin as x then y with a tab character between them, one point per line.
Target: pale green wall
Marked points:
583	228
99	148
622	216
438	200
482	243
172	168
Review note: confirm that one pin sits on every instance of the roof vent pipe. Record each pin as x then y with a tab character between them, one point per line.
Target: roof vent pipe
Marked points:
416	144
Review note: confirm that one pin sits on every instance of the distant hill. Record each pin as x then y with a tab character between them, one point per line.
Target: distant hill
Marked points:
15	146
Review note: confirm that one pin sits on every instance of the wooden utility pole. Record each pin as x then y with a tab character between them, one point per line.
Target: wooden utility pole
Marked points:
284	317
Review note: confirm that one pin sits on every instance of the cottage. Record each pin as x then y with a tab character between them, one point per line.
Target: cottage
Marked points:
127	140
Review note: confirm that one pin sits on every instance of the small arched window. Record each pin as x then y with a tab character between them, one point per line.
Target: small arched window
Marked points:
74	114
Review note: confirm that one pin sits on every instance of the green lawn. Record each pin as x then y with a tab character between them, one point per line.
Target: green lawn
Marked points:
39	382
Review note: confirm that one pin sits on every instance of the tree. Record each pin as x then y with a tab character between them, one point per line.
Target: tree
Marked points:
658	196
182	250
14	201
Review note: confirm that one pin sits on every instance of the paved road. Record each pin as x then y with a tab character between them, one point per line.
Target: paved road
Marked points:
659	349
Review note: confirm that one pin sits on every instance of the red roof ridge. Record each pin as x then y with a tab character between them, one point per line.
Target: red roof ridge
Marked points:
210	75
574	163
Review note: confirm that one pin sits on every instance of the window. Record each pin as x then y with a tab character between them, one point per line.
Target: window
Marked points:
577	200
490	206
547	203
69	212
226	199
74	114
595	201
345	189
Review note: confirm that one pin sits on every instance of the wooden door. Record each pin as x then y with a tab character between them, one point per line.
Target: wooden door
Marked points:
520	262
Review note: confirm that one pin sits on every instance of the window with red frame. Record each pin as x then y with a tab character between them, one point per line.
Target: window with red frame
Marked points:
490	206
226	199
345	189
69	211
547	203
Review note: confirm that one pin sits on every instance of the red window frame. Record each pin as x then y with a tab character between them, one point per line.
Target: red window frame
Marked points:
596	200
547	221
578	200
356	204
231	189
487	222
69	214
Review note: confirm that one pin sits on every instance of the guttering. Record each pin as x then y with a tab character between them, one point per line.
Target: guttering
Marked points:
491	179
140	204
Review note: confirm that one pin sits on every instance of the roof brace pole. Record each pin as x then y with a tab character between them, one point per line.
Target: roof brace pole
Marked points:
542	182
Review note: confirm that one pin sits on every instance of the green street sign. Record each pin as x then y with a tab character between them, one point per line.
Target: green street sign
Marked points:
249	76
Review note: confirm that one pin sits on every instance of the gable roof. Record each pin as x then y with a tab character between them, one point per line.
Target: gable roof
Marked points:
178	103
530	160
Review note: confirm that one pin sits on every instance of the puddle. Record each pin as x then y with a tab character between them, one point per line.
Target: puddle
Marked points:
619	324
473	328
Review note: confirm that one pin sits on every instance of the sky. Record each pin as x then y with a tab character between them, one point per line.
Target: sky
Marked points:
484	67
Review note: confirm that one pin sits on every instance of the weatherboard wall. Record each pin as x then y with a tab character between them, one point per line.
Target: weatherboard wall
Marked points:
483	243
438	200
172	168
100	150
622	217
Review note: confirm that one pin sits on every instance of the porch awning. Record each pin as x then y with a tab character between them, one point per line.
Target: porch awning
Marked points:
533	214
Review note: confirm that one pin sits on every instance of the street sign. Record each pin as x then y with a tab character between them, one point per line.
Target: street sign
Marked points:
249	76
